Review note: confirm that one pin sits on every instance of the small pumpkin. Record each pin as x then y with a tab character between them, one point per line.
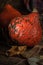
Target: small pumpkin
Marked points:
26	29
7	14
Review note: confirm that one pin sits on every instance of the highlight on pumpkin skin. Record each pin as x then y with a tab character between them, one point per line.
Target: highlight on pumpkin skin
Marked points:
27	28
8	14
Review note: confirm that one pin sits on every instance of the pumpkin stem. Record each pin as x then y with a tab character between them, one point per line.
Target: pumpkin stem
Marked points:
35	10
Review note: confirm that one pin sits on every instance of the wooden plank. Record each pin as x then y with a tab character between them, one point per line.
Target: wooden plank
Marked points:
33	52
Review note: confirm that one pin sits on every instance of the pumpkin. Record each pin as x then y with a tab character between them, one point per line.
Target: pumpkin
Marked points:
7	14
26	29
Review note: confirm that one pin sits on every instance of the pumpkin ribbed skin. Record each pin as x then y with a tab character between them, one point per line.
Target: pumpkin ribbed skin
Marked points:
26	29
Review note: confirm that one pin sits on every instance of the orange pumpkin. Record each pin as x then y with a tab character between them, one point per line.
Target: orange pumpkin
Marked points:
26	29
7	14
